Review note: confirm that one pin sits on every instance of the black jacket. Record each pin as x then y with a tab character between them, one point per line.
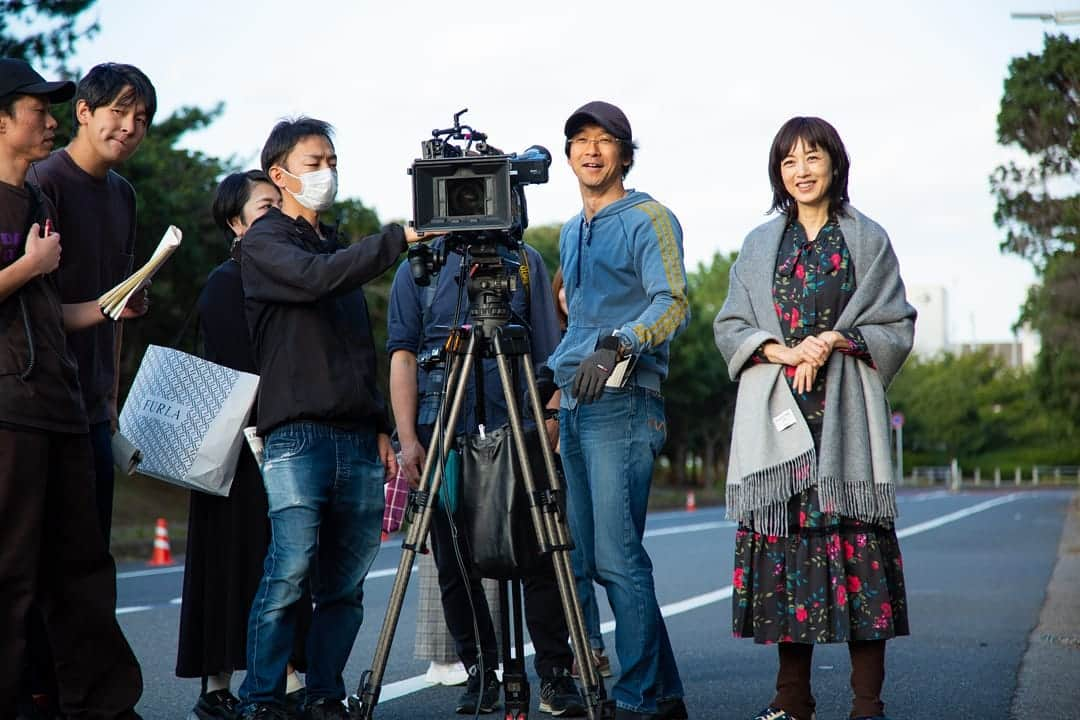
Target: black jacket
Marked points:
309	322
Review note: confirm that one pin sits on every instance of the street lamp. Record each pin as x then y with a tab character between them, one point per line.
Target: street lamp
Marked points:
1064	17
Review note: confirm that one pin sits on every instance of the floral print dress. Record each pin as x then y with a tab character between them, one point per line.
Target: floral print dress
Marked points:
833	578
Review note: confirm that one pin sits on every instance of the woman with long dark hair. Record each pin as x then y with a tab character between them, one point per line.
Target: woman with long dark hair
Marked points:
815	326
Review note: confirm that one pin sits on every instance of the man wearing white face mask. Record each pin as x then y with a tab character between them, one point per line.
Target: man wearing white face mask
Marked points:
323	420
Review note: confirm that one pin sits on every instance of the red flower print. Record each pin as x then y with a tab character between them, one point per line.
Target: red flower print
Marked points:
841	595
786	638
860	540
875	565
737	580
802	517
771	538
854	584
849	550
800	271
800	614
794	318
886	609
835	259
779	310
789	370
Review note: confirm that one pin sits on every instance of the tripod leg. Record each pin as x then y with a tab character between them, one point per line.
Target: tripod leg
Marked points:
552	534
515	680
362	704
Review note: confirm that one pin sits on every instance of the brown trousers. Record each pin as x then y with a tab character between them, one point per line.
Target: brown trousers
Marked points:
52	554
867	678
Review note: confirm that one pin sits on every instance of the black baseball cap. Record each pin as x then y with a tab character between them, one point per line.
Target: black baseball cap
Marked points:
17	77
603	114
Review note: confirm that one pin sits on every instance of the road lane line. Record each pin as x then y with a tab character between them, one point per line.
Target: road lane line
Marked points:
954	516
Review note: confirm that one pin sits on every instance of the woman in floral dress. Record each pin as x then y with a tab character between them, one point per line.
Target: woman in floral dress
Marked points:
815	326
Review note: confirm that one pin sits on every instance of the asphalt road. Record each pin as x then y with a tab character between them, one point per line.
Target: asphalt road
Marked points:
977	566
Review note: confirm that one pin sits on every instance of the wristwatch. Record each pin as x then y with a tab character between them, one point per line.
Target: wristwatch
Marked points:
626	347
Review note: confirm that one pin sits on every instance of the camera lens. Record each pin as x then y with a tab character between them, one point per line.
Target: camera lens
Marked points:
465	196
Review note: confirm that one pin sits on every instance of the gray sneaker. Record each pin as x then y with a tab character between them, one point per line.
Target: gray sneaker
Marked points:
559	695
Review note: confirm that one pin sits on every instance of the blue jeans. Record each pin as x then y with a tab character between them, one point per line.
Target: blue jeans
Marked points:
608	449
586	590
325	491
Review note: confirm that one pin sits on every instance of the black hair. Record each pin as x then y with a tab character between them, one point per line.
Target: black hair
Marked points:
287	133
231	196
626	148
7	103
815	133
115	82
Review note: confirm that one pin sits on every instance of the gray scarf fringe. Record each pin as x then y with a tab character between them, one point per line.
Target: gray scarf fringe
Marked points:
760	501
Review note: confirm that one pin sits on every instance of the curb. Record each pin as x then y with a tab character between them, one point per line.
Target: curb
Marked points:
1048	682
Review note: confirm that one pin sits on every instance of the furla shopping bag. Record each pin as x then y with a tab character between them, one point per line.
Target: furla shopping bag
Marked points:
187	415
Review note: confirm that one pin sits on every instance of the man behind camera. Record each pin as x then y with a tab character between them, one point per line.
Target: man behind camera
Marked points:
326	430
419	321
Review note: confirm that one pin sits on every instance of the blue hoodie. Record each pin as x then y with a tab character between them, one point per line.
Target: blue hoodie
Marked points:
623	270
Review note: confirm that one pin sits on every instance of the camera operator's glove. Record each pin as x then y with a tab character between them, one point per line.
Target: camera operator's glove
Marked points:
594	371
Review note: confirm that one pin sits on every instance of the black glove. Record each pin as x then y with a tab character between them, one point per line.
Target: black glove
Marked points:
594	371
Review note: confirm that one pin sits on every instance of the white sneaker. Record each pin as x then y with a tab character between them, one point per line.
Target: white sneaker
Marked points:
448	674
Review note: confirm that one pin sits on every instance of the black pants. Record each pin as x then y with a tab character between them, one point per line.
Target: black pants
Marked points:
543	604
104	479
52	555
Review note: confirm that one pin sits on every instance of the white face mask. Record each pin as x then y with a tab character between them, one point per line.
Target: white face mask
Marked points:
318	188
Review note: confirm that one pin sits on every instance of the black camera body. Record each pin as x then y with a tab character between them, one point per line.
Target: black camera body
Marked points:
473	187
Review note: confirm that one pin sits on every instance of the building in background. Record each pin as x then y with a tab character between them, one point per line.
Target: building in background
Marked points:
932	326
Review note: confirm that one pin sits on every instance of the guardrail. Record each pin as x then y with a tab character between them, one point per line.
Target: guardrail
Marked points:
952	476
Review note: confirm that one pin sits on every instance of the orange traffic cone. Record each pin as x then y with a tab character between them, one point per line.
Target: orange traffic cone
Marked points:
162	554
691	501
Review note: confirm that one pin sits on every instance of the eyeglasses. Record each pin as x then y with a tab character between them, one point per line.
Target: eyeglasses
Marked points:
604	141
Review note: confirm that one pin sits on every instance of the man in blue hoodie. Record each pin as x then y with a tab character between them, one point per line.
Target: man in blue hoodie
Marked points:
622	263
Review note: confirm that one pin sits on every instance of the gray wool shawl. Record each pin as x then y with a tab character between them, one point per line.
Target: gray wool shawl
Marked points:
772	452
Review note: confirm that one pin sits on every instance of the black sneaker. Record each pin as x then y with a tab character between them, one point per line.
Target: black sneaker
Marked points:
771	713
217	705
325	709
671	709
264	712
559	695
294	703
480	696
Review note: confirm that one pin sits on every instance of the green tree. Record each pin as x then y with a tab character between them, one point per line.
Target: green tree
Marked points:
60	29
545	238
1038	205
698	394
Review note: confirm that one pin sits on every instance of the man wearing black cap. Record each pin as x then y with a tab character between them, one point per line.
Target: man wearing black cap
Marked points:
51	550
622	264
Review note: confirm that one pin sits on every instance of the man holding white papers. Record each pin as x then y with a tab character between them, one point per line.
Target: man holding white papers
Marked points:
114	105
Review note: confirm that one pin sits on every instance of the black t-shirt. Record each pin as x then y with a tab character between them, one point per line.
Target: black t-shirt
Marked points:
98	217
39	383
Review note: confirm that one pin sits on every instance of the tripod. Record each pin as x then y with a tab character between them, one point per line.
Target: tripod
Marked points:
490	335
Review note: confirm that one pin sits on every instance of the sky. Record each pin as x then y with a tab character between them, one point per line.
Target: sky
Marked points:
913	88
